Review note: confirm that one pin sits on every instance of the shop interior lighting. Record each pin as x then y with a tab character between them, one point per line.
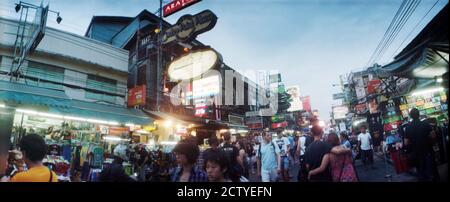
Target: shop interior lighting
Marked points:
193	133
49	115
130	125
168	123
112	138
168	143
439	80
223	130
143	131
2	106
232	131
242	131
427	91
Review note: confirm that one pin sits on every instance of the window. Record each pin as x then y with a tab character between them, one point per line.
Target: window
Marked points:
46	76
101	84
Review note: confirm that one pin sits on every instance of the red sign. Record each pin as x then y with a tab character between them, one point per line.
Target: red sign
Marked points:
201	110
306	103
279	125
373	85
254	125
177	5
136	96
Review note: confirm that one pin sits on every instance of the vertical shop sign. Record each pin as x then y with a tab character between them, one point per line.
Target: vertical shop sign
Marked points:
136	96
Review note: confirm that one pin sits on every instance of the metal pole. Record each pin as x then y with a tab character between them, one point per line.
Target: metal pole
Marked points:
15	46
387	175
21	45
159	60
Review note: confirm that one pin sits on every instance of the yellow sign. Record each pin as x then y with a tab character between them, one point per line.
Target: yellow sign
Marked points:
403	107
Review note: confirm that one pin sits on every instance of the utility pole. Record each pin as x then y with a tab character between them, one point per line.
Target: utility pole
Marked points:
159	60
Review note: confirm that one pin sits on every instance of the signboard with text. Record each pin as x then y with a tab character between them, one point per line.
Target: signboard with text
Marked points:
296	103
189	26
340	112
136	96
255	122
177	5
306	103
373	85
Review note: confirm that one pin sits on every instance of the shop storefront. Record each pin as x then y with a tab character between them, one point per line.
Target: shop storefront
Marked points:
80	135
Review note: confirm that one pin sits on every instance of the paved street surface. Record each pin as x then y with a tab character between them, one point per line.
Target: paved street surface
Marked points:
377	174
381	172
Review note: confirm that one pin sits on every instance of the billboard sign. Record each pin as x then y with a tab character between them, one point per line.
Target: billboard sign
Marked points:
236	120
296	103
137	96
361	108
36	31
338	96
206	87
275	78
177	5
306	103
193	64
189	26
340	112
255	122
373	86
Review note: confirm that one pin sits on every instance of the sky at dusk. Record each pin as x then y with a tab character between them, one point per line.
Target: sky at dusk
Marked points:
310	42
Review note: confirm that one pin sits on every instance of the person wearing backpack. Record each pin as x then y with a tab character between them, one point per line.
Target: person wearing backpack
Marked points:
268	159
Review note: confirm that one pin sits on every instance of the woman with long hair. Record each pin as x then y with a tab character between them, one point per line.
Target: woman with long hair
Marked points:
341	165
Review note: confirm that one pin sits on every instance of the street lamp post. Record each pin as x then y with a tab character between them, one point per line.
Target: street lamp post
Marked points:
159	60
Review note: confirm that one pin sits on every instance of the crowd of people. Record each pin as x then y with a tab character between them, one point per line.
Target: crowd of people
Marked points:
267	157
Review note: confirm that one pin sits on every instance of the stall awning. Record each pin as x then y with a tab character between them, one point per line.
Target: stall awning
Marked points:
426	56
21	94
57	102
106	112
175	117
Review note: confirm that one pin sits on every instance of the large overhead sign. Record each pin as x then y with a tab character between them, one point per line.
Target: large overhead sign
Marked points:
193	64
254	122
189	26
177	5
373	86
338	96
206	87
136	96
340	112
296	103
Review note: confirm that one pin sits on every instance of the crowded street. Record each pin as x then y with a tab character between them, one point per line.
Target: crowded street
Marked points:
242	91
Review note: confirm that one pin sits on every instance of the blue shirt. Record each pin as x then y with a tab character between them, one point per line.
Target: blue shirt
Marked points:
390	139
197	175
268	155
347	144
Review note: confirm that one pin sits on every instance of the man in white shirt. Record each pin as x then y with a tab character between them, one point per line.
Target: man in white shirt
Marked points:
365	146
283	144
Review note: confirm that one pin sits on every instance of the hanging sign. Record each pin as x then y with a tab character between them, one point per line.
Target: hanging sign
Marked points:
177	5
189	26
